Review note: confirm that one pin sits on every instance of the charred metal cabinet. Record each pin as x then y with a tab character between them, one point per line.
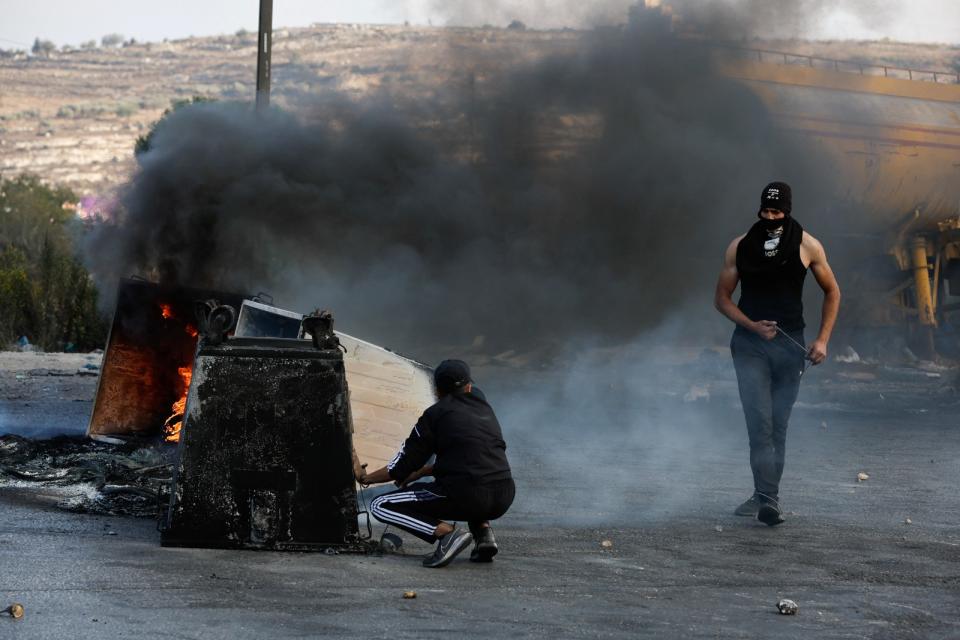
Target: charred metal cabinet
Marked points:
264	459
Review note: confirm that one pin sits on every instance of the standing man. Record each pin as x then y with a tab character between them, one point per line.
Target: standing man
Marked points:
770	262
472	475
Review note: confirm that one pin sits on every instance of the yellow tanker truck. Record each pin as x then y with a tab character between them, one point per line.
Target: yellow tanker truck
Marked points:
895	142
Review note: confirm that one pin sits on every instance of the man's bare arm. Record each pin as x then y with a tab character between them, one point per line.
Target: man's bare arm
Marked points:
831	297
723	298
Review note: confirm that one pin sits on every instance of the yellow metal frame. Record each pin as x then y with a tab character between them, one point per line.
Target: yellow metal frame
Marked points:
896	166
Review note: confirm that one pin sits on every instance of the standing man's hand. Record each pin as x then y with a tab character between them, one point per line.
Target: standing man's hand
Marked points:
817	352
831	295
766	329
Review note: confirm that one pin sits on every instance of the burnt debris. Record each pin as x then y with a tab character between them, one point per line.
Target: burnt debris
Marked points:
86	476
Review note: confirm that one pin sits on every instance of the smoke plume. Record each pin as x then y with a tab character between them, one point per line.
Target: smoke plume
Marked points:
539	232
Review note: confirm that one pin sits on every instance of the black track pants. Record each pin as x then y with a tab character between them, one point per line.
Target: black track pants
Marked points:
420	507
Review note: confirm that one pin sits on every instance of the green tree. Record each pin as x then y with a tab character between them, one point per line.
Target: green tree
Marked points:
16	296
45	292
43	47
112	40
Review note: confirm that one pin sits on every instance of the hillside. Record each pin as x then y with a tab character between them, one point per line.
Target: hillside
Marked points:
73	118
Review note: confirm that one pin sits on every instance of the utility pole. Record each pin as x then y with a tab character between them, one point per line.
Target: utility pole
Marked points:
264	45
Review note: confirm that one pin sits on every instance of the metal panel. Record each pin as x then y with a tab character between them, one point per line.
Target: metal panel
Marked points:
388	392
258	320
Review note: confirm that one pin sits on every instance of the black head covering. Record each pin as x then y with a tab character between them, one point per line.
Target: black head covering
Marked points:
776	195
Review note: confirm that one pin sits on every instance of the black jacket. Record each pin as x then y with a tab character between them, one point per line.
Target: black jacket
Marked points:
463	432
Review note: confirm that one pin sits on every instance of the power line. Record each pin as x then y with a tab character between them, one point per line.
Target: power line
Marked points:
22	44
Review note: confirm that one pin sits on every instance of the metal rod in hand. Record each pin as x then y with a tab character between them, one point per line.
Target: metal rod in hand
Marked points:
799	346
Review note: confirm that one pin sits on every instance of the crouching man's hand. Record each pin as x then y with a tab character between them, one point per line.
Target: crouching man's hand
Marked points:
425	470
359	471
374	477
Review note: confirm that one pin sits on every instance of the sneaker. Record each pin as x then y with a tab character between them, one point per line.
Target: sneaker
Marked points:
750	508
447	548
486	546
770	513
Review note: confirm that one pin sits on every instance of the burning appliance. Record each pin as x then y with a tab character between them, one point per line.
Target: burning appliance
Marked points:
267	463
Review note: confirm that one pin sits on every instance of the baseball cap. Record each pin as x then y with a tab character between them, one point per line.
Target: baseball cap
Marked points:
451	375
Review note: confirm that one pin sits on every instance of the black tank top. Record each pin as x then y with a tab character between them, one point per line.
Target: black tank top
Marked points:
771	288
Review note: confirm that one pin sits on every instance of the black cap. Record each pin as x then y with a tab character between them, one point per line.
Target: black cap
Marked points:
451	376
776	195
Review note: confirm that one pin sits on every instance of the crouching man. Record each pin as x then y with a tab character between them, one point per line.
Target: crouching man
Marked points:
472	480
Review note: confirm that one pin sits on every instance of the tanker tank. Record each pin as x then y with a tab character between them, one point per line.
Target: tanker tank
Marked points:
894	145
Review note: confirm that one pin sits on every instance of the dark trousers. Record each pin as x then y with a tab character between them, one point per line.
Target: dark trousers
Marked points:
768	374
421	506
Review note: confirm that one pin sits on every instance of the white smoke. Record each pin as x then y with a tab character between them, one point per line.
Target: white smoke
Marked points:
917	21
582	435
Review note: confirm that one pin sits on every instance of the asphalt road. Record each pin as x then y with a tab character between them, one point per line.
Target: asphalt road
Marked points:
659	486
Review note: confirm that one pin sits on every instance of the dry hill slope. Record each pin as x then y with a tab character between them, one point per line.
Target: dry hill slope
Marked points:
73	118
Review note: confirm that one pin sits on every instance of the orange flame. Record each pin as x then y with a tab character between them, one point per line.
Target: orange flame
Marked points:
172	429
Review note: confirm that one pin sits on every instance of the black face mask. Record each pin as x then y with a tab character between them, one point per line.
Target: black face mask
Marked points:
772	225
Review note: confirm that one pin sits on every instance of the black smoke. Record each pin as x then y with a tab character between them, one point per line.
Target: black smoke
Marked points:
534	231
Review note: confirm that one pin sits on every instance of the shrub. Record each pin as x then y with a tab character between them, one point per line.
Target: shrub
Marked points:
45	293
125	110
112	40
81	111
